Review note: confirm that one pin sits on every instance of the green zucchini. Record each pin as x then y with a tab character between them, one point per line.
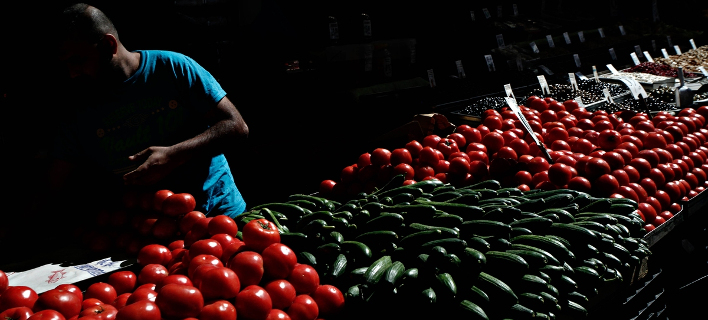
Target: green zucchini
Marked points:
470	310
506	262
499	292
393	275
555	247
385	221
485	227
549	257
376	270
338	268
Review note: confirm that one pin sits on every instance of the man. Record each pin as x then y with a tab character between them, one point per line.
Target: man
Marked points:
145	119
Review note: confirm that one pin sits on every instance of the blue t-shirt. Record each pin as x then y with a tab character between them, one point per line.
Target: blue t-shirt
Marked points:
160	105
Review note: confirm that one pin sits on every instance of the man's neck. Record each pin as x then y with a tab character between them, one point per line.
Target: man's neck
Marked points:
127	63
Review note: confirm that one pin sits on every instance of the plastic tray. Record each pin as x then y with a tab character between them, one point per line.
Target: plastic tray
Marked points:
661	231
695	204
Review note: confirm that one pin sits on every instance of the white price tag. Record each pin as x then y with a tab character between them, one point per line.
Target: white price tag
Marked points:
516	10
668	39
612	69
472	15
500	41
517	111
486	13
460	69
519	63
612	53
548	71
638	50
577	60
490	62
634	58
693	44
581	76
566	37
573	82
581	36
367	28
608	96
499	11
648	56
666	54
333	31
544	85
534	47
594	73
703	71
655	10
579	100
550	41
677	49
629	83
602	32
368	57
431	78
622	30
509	92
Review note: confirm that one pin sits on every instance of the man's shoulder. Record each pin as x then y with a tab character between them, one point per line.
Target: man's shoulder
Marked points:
167	57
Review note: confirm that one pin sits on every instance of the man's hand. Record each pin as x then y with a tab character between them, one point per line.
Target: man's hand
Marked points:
157	164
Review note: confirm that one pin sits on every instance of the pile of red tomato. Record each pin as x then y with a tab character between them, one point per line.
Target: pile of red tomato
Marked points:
209	275
657	161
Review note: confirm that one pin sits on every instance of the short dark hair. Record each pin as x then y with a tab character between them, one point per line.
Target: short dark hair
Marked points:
85	22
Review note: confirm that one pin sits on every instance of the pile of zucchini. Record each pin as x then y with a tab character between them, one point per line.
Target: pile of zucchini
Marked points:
482	251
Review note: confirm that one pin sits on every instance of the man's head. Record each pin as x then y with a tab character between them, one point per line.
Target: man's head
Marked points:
88	41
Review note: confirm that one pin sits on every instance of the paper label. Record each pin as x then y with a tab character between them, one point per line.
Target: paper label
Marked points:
544	68
612	53
534	47
566	37
550	41
638	50
486	13
677	49
648	56
634	58
668	39
516	10
519	64
49	276
581	76
703	71
655	10
490	62
607	94
581	36
431	78
594	73
622	30
460	69
630	86
368	57
367	28
577	60
544	85
579	100
678	97
666	54
653	45
472	15
517	111
602	32
333	31
500	41
573	82
612	69
499	11
509	92
693	44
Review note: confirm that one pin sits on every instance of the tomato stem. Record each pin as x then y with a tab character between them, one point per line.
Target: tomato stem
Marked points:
275	220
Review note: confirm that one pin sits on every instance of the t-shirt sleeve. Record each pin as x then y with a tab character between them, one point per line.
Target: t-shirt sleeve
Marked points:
204	92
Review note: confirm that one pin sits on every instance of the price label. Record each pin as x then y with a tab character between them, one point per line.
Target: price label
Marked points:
653	45
519	64
566	37
517	111
581	36
668	39
460	69
678	97
545	89
612	69
581	76
602	32
550	41
573	82
622	30
594	73
648	56
367	28
486	13
516	10
608	96
500	41
431	78
612	53
638	50
666	54
368	58
703	71
333	31
577	60
579	100
693	44
472	15
509	92
534	47
634	58
499	11
548	71
490	62
630	84
677	49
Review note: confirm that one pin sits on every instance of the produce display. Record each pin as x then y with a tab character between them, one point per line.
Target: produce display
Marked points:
690	60
659	69
639	76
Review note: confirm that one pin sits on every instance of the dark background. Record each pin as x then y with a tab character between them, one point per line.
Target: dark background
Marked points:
305	126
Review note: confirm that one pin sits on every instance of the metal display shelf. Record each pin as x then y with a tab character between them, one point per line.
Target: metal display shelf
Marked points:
661	231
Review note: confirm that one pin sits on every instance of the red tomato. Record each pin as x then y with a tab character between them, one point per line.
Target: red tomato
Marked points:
605	185
414	148
304	278
248	266
104	291
666	215
177	301
65	302
401	155
187	222
329	299
173	278
199	260
447	147
428	156
160	197
48	314
151	273
506	153
580	184
423	172
559	174
260	233
658	220
363	160
538	164
222	224
207	247
493	141
647	211
641	193
405	169
281	292
523	177
219	310
380	157
459	166
632	173
479	169
141	310
154	254
253	303
123	281
649	227
178	204
349	174
90	302
277	314
649	186
278	261
459	139
141	294
4	282
219	283
18	313
431	140
199	273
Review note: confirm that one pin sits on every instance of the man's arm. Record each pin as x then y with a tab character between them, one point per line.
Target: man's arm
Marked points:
226	128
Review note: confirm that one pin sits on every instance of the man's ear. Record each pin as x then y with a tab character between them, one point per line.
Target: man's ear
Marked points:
109	44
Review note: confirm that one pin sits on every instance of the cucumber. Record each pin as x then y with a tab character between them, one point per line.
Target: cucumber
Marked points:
628	201
499	243
573	233
587	276
338	268
385	221
320	202
565	284
356	251
374	208
305	204
334	236
622	208
533	283
554	247
446	220
376	270
531	205
477	296
445	196
486	184
506	263
574	310
328	250
452	245
478	244
293	212
445	286
470	310
563	215
558	200
537	225
549	257
450	232
377	237
532	300
597	217
534	259
467	212
519	311
413	212
294	240
515	231
393	275
499	293
599	205
420	237
307	258
485	227
473	259
577	297
548	193
402	197
393	183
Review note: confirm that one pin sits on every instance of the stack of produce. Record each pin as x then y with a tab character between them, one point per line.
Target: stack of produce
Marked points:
659	69
690	60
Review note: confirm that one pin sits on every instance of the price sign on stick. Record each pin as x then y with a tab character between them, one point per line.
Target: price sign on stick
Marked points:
368	57
509	92
499	11
581	76
622	30
486	13
490	62
460	69
566	37
516	10
550	41
548	71
638	50
612	53
594	73
634	58
544	85
519	64
693	44
534	47
602	32
668	39
612	69
573	82
677	49
517	111
577	60
472	15
608	96
653	45
703	71
648	56
431	78
581	36
500	41
666	54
